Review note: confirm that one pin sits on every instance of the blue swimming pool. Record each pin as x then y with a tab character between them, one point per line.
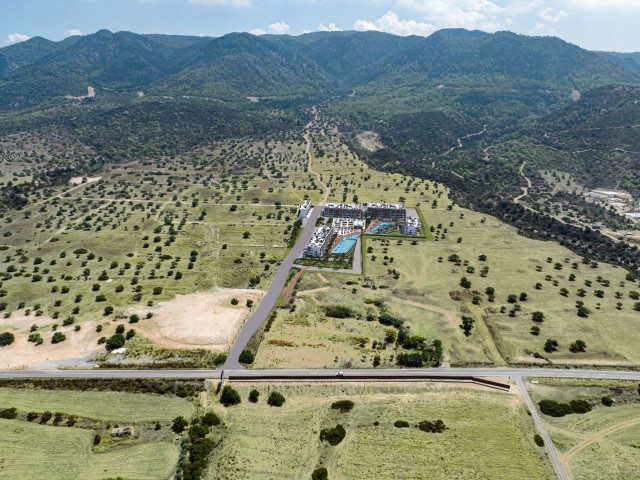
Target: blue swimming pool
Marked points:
383	228
345	245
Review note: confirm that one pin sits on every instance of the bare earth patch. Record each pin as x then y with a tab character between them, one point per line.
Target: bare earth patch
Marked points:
199	320
370	141
79	180
79	346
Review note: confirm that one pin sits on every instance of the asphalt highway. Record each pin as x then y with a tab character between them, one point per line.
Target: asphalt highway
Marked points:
311	374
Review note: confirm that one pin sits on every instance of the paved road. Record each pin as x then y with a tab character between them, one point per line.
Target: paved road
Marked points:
269	300
562	475
349	375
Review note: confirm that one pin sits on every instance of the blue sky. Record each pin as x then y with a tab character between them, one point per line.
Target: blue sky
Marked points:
592	24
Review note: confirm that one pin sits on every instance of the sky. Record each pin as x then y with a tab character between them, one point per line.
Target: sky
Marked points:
610	25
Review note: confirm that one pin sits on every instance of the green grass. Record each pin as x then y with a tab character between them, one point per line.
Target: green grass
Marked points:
264	442
114	406
32	451
615	453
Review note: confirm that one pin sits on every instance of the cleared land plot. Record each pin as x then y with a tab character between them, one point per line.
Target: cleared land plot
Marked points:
488	434
600	444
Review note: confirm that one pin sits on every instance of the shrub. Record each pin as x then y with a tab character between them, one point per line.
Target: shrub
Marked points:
607	401
385	318
254	395
234	301
338	311
580	406
6	338
179	424
276	399
134	318
333	435
229	396
120	329
343	405
553	408
9	413
115	341
539	440
432	427
320	473
401	424
58	337
210	419
246	357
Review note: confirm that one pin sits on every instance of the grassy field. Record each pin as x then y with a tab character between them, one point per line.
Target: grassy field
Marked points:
265	442
421	283
114	406
603	443
33	449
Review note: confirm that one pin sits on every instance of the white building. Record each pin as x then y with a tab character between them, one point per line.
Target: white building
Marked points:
305	208
412	226
319	243
346	226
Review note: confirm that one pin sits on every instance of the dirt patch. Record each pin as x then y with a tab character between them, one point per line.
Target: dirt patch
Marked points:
450	316
22	354
370	141
79	180
91	93
199	320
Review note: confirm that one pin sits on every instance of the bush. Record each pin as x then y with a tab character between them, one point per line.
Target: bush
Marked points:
343	405
320	473
607	401
246	357
58	337
432	427
539	440
229	396
401	424
385	318
7	338
553	408
338	311
115	341
253	396
120	329
276	399
9	413
210	419
134	318
580	406
333	435
179	424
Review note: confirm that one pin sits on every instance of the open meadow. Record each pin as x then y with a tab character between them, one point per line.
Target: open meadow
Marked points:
603	442
487	434
61	431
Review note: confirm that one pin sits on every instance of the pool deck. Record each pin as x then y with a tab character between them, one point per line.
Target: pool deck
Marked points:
357	263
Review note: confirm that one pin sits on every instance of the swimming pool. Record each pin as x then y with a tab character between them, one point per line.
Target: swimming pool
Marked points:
383	228
345	245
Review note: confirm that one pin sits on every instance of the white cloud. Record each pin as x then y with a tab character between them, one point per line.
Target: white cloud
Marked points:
604	4
278	27
222	3
257	31
332	27
390	23
471	14
551	15
72	32
16	38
